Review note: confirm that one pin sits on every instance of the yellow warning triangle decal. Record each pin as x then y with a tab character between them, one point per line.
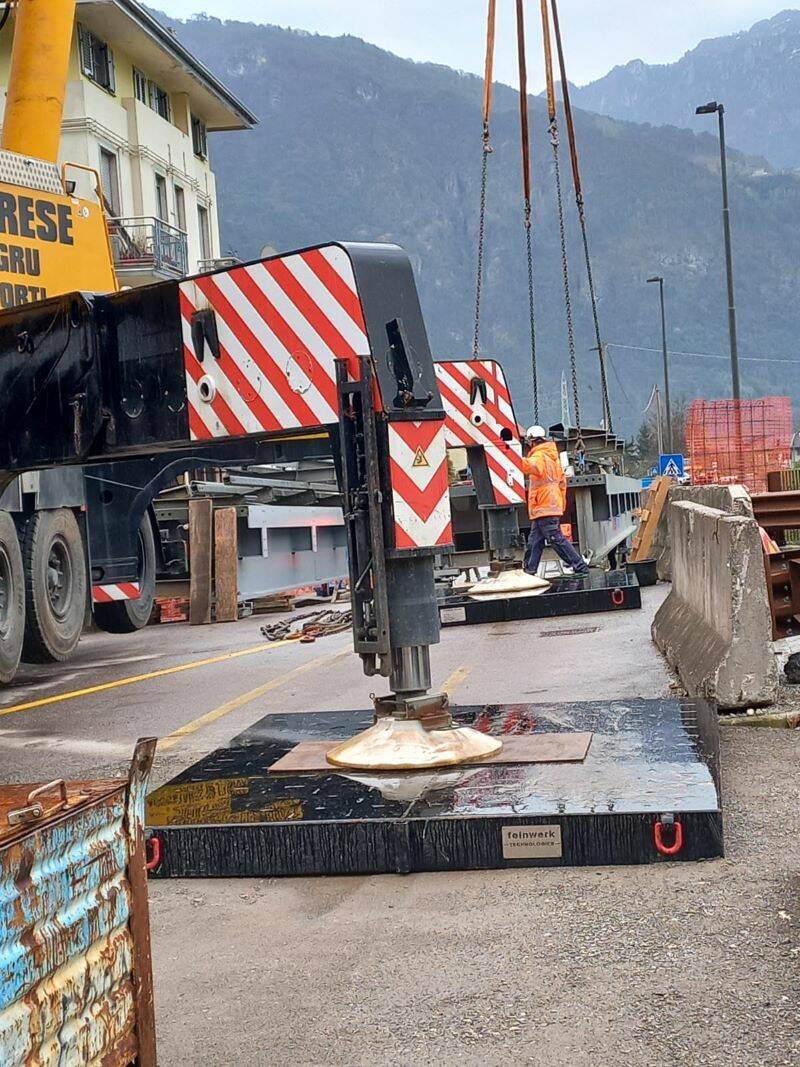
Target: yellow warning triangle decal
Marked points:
420	459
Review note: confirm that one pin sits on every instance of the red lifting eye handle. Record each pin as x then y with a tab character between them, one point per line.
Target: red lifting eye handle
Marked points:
617	598
677	840
153	853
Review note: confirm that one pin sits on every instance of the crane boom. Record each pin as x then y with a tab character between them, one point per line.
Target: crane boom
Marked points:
38	79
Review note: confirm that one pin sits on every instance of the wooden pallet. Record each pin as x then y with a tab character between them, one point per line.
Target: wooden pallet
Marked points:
649	519
272	604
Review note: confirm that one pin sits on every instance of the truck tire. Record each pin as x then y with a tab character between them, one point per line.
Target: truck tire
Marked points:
12	599
55	586
128	616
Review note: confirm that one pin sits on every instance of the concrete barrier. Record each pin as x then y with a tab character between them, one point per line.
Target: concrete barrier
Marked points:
714	628
732	499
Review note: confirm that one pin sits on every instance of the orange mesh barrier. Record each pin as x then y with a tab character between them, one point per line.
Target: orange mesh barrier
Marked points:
738	441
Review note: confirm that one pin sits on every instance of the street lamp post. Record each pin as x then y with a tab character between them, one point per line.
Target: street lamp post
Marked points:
660	280
710	109
659	420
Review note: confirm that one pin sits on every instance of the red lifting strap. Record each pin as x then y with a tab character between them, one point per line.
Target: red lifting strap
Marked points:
523	103
488	71
548	64
573	151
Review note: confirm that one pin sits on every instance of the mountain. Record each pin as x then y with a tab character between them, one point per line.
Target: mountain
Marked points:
357	144
756	75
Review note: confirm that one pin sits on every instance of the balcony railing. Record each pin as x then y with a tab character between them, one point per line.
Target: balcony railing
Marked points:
147	245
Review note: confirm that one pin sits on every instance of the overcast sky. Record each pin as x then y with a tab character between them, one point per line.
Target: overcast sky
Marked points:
597	35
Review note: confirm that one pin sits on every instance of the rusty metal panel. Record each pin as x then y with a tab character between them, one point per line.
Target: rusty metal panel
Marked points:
779	509
68	982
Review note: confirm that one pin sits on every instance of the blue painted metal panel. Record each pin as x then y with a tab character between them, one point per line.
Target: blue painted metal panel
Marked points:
68	982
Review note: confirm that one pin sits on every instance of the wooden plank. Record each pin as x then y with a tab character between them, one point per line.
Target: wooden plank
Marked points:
651	516
200	557
310	756
226	565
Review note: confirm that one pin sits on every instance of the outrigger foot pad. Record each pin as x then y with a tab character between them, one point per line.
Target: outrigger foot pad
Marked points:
406	744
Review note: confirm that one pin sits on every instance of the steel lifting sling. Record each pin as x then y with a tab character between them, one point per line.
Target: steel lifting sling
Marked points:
579	201
526	178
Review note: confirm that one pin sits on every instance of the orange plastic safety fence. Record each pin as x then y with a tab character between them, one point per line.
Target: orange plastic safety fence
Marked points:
738	441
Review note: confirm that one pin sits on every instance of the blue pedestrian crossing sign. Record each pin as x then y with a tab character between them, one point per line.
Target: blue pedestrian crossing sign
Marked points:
672	466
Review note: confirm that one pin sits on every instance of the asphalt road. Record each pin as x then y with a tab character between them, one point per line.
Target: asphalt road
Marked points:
670	964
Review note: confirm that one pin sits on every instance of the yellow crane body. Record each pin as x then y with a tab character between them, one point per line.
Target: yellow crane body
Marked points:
51	241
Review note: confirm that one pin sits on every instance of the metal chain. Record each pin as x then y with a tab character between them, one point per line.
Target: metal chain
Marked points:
487	149
532	312
573	362
593	298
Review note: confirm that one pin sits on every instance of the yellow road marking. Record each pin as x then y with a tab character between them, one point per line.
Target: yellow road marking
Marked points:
238	702
74	694
456	678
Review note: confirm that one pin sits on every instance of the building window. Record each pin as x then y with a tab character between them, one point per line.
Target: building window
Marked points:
180	208
199	138
151	94
109	179
140	87
159	101
205	232
97	59
162	208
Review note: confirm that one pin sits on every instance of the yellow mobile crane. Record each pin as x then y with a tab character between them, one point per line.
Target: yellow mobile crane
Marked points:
53	242
102	376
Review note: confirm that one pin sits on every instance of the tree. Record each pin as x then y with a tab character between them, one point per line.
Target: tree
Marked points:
643	456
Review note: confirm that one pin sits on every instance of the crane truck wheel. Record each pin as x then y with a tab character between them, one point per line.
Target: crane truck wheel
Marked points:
127	616
55	586
12	599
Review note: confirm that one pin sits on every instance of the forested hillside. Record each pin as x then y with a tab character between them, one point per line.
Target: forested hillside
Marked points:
355	143
756	75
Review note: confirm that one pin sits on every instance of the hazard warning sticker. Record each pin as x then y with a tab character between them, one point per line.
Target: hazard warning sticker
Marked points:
420	459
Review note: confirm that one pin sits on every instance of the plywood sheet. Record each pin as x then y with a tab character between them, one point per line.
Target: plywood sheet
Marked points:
656	502
310	756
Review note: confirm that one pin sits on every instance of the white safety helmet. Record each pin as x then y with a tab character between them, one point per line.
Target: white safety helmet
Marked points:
534	433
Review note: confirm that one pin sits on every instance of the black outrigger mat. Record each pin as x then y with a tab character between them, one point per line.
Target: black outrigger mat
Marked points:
599	591
227	817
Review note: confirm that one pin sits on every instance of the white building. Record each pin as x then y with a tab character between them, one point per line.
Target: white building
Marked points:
138	110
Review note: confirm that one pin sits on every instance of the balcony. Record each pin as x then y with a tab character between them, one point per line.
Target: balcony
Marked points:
146	249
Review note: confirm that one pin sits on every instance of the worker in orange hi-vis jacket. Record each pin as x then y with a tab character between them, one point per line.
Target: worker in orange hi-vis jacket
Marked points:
547	501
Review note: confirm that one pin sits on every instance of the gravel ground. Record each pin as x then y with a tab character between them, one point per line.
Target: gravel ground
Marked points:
692	964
